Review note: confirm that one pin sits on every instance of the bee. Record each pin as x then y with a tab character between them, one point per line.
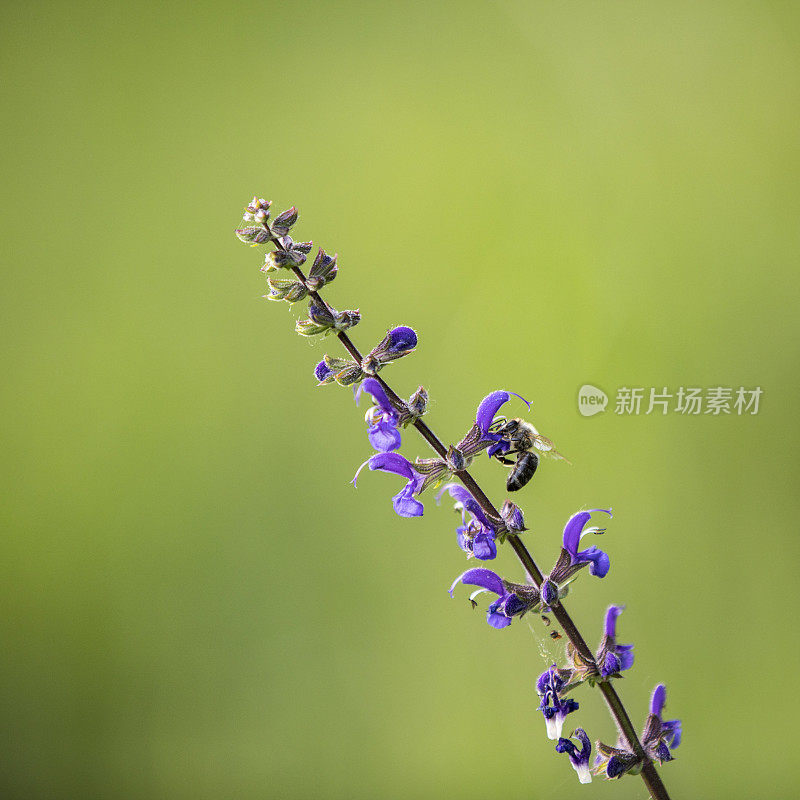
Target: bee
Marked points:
525	440
555	635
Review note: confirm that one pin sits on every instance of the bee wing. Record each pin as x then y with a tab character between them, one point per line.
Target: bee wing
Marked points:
544	445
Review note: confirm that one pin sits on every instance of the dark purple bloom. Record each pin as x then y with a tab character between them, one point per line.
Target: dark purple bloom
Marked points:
572	559
398	342
323	373
659	736
555	708
484	418
476	536
382	418
614	762
613	658
404	503
578	758
657	739
479	437
512	599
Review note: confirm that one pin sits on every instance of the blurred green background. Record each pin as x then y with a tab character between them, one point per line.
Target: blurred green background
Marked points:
196	604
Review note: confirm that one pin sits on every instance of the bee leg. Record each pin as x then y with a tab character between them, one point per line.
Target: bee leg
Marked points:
503	457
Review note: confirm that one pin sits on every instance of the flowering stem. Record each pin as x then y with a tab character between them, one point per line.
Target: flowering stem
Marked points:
649	773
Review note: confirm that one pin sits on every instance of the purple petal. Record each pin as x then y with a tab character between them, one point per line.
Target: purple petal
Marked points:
549	680
322	371
402	339
658	700
378	394
572	531
574	527
625	653
384	437
484	578
404	503
500	446
610	665
484	547
611	620
600	562
662	752
393	462
673	729
457	492
498	621
491	404
463	496
488	407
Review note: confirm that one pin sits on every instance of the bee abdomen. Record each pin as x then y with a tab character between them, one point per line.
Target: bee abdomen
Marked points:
522	471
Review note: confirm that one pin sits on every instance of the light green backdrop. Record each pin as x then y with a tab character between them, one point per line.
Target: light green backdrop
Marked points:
196	604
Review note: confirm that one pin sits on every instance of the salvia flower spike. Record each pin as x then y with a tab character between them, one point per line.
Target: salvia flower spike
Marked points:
483	529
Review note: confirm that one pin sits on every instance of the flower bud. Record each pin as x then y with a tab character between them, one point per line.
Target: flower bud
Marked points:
455	459
549	592
397	343
258	210
346	371
512	516
323	271
418	403
346	319
286	289
370	364
282	224
324	374
253	236
322	318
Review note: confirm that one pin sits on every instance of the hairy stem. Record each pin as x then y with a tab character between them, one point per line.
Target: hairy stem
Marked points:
649	773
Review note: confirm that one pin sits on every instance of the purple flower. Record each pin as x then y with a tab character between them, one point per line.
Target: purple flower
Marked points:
404	503
398	342
571	559
513	599
549	685
477	536
659	736
323	373
484	418
657	739
401	340
382	418
613	658
344	371
614	762
578	758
